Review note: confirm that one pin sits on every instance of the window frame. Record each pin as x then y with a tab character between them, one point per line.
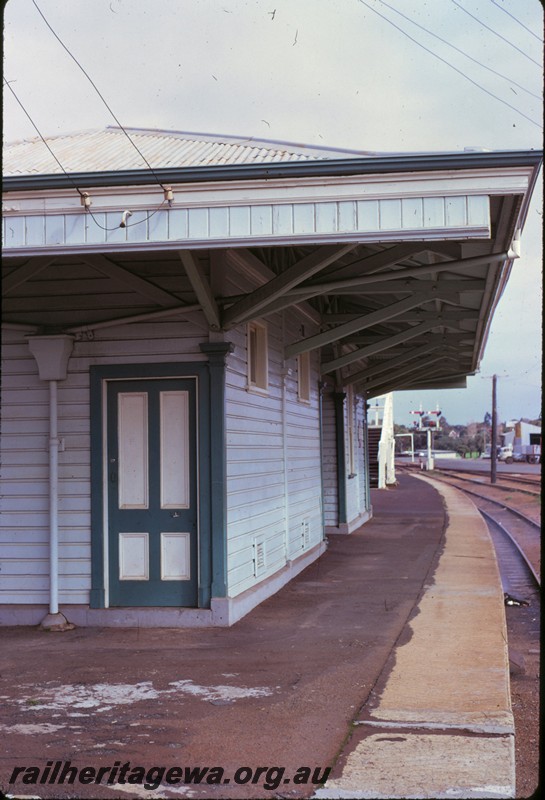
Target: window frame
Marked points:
303	377
257	357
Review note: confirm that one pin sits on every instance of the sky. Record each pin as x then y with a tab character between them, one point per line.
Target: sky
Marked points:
360	74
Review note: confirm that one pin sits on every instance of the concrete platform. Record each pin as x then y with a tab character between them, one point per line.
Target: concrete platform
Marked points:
439	721
367	634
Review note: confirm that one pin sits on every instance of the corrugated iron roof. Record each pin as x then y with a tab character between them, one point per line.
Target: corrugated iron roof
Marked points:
110	150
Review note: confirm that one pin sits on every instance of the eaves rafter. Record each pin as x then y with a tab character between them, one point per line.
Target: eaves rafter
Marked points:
390	364
143	287
24	273
202	289
366	321
383	344
252	305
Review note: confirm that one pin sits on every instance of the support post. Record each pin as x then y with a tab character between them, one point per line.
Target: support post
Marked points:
216	352
493	450
430	457
338	399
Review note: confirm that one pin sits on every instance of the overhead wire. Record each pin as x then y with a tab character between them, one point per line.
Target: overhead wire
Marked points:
505	11
503	38
83	195
95	87
459	50
448	63
8	84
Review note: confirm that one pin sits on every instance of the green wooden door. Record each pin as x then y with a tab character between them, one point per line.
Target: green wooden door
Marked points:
152	492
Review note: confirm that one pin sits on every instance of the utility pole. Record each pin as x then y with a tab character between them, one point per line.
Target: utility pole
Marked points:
493	450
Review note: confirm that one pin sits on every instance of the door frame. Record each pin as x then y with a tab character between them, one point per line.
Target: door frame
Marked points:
211	550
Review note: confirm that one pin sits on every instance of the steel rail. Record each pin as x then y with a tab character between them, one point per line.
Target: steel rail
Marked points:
491	485
489	518
513	511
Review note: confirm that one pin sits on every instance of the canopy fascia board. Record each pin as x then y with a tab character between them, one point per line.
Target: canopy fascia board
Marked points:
321	202
73	234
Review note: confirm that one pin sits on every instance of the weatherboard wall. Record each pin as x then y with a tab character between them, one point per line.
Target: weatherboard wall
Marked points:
355	486
273	473
24	543
273	457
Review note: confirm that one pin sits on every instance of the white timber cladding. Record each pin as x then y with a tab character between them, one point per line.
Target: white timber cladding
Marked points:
262	461
261	222
24	530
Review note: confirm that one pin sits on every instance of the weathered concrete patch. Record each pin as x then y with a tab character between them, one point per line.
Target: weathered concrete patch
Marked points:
220	692
99	694
103	697
426	766
45	727
154	794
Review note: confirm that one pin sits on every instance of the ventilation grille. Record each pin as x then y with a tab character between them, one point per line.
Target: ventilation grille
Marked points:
260	560
305	533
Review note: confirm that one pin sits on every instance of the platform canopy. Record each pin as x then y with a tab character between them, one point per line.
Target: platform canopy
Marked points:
401	258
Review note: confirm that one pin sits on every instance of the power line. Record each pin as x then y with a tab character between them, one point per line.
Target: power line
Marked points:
95	87
495	33
83	195
7	83
459	71
475	61
505	11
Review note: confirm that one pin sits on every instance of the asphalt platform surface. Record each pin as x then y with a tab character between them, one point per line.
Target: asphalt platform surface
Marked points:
279	689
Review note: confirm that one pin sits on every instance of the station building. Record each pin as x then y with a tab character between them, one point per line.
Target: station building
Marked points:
193	327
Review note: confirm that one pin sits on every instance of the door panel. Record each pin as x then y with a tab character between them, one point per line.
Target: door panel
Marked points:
152	492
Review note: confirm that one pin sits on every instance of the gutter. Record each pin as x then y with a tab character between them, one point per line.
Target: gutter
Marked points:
294	169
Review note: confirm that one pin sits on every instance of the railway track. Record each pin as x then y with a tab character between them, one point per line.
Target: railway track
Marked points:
504	481
520	531
516	540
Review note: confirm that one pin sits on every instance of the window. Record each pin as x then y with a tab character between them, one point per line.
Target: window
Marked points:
258	367
303	374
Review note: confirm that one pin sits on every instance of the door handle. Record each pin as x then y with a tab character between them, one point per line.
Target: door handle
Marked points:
175	514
